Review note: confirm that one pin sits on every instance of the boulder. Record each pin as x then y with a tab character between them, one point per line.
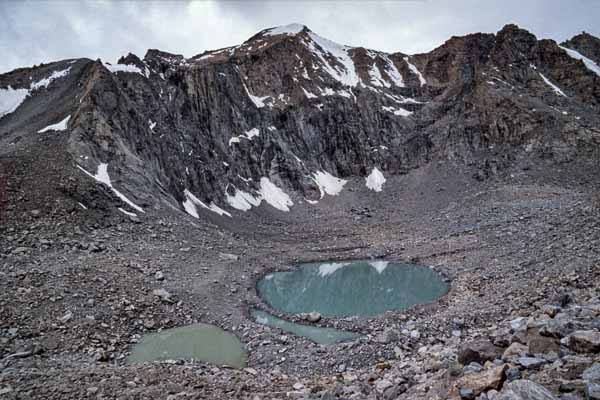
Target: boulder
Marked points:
514	350
313	316
531	362
592	391
480	382
525	390
592	374
558	327
584	341
478	351
538	344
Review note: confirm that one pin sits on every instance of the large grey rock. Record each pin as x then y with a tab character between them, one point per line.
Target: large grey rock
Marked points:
592	391
525	390
584	341
592	374
478	351
531	362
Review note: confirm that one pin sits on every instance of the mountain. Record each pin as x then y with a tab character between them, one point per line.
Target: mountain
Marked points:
289	116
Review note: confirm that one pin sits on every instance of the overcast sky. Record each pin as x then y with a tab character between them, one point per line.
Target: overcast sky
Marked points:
42	31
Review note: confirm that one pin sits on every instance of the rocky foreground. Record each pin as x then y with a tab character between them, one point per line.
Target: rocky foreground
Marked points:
521	320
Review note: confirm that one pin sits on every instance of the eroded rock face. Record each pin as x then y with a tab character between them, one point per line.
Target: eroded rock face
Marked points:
287	104
586	44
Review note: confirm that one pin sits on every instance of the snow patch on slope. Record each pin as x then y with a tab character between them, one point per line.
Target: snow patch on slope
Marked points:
103	177
591	65
375	180
398	111
125	68
60	126
242	201
11	99
247	135
344	73
268	192
273	195
192	201
328	183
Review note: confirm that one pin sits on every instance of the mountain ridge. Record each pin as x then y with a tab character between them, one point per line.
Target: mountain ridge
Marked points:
287	107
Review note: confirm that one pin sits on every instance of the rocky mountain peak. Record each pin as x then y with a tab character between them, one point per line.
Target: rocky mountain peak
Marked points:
585	44
288	30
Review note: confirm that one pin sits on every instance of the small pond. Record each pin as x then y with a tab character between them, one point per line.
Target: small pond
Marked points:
316	334
364	288
201	342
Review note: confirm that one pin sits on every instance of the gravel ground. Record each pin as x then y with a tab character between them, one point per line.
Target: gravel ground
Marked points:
76	286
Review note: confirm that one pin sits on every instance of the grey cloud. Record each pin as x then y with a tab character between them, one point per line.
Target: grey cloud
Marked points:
35	32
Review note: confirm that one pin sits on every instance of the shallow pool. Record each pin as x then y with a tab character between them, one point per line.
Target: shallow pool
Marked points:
201	342
350	288
314	333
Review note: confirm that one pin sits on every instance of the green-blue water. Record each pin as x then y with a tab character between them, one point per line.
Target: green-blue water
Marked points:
201	342
364	288
314	333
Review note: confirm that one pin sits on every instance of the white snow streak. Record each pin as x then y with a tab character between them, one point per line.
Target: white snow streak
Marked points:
375	180
258	101
127	212
376	78
103	177
60	126
399	111
591	65
309	95
415	71
552	85
393	73
47	81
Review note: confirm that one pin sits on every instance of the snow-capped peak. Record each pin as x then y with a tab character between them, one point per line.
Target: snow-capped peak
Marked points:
291	29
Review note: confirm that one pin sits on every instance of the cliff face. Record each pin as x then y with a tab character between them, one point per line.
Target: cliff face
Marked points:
280	116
